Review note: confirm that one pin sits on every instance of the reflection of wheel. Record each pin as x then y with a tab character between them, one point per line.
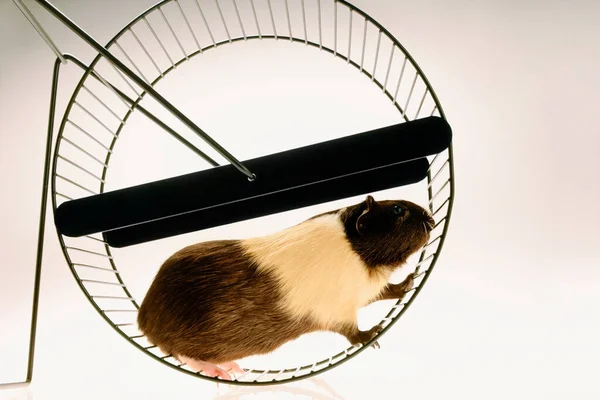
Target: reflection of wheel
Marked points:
169	35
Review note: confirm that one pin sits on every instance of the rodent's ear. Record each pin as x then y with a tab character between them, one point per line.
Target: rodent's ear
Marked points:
361	227
370	201
361	221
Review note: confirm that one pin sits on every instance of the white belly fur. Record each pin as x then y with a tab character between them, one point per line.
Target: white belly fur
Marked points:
319	273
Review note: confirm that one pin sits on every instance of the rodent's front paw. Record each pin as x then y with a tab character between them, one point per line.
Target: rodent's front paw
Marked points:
408	283
366	336
405	286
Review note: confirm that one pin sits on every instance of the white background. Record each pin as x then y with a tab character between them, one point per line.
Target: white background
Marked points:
512	306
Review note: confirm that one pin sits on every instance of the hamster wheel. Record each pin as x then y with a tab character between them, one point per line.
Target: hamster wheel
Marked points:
170	34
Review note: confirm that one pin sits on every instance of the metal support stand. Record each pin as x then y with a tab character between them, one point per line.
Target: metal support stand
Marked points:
41	232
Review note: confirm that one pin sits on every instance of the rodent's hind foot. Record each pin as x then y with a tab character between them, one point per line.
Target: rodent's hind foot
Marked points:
232	367
357	337
208	369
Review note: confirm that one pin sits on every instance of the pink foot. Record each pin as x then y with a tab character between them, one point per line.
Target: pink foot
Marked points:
232	366
205	368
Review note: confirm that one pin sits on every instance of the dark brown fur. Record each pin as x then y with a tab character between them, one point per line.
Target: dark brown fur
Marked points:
384	238
209	302
179	313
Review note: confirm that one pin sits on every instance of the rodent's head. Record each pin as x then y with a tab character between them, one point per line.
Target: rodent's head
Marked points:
387	232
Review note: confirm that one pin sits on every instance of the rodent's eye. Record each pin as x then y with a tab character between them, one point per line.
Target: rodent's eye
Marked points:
398	210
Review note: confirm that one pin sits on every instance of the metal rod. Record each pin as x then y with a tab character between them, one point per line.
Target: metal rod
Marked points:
164	17
261	375
42	227
206	24
279	374
400	79
114	114
440	207
412	87
421	103
153	93
133	89
81	168
132	104
40	30
439	191
94	267
223	20
237	12
304	22
176	135
256	18
85	110
420	274
132	63
287	12
437	174
88	252
76	184
424	260
434	240
80	129
272	19
433	161
103	282
439	222
63	195
349	36
162	46
94	238
387	73
362	57
320	29
187	23
335	28
137	39
169	130
84	151
376	56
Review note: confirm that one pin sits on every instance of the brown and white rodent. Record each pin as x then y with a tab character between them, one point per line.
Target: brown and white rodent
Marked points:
216	302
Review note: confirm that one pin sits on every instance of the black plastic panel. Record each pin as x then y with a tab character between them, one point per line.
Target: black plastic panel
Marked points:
309	173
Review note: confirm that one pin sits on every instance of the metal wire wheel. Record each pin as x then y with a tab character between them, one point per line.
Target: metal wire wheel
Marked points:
170	34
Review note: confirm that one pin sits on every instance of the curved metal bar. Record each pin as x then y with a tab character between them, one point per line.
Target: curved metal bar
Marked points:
40	30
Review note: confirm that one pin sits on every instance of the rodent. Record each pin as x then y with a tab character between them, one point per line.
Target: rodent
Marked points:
216	302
